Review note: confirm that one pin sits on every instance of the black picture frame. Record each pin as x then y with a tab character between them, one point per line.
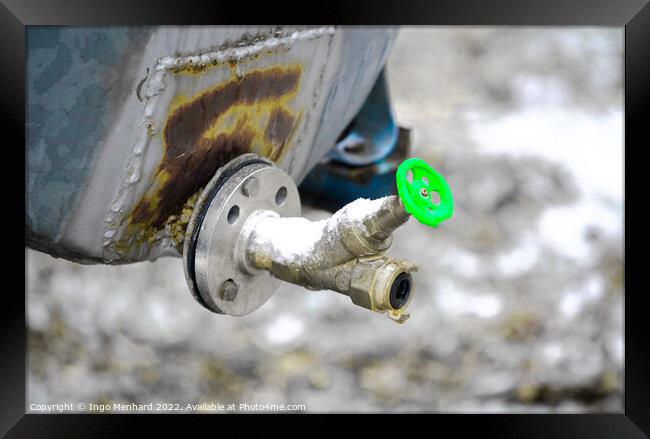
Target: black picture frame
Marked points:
634	15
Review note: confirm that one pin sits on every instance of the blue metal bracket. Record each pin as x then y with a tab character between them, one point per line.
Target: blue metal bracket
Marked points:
372	135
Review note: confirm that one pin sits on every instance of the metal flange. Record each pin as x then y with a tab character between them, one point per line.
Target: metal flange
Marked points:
214	270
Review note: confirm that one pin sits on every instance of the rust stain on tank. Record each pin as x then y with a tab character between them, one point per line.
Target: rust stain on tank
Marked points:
202	133
279	126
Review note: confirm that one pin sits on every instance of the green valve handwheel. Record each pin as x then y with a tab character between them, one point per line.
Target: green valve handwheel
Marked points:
416	183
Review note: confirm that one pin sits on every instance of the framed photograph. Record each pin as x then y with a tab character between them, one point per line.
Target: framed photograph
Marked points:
402	210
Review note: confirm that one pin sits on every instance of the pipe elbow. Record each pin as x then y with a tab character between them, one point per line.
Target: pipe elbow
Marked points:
343	253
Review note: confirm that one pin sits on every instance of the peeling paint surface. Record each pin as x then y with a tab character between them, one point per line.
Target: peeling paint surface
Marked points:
70	98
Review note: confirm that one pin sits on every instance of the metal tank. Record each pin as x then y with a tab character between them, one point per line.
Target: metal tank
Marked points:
126	125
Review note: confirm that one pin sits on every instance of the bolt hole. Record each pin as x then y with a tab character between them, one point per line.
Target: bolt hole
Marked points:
409	176
228	290
281	196
400	290
435	198
233	214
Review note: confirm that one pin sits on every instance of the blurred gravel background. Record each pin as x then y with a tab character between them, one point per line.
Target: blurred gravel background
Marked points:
519	302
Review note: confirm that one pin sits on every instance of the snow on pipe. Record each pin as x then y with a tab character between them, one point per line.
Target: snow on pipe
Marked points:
344	253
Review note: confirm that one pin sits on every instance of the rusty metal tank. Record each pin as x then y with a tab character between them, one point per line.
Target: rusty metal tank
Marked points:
126	125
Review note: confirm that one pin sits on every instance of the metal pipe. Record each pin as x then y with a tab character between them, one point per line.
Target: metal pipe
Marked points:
344	253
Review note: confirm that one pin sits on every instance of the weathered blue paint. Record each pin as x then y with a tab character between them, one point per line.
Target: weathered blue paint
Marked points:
70	104
373	130
331	187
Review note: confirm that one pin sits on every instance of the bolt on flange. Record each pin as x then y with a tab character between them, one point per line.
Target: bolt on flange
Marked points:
214	273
